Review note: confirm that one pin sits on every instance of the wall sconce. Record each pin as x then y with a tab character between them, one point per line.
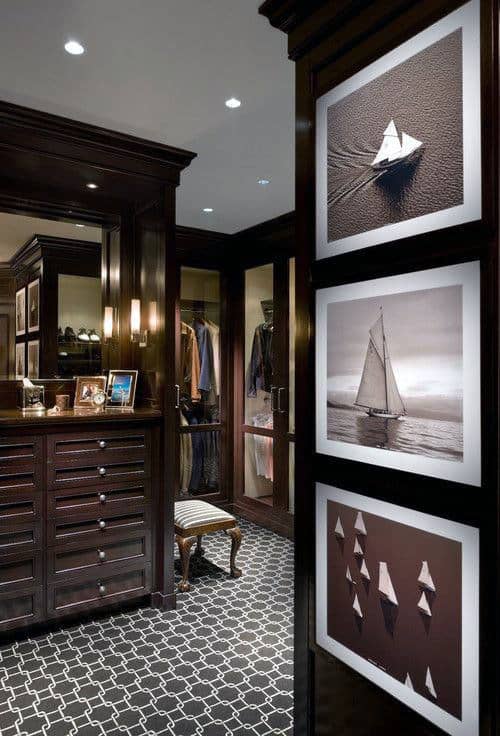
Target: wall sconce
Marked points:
136	334
110	325
153	317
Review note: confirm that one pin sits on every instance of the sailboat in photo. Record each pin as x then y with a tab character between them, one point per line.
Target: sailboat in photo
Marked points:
393	153
378	391
385	586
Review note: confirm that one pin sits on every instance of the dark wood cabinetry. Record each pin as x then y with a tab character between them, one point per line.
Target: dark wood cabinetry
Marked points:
76	526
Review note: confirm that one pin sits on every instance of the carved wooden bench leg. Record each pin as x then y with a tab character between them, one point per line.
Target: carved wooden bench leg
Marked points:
199	551
184	544
235	534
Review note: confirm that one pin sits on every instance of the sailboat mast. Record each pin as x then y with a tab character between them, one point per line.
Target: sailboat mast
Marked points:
385	360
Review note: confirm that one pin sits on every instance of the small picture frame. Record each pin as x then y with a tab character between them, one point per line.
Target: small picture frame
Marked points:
34	306
121	389
21	311
85	390
20	360
33	358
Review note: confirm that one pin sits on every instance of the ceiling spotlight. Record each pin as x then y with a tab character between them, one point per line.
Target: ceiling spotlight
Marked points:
233	102
91	185
208	209
79	225
263	182
74	48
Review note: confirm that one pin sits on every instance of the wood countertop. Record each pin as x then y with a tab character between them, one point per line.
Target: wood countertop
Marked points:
16	418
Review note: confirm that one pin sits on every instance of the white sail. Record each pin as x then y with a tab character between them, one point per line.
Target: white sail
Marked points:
409	145
349	576
425	578
429	683
394	401
357	607
339	530
364	571
423	605
390	144
385	585
408	681
359	526
358	550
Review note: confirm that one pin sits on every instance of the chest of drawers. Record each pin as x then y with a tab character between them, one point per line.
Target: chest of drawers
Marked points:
75	519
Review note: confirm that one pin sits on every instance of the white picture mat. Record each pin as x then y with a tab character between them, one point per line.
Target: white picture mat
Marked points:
469	539
468	18
468	276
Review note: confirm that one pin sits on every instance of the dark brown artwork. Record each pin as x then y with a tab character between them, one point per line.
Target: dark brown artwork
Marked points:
395	599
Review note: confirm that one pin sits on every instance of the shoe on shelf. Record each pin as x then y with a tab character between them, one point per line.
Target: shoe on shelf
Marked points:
94	337
60	334
69	334
82	335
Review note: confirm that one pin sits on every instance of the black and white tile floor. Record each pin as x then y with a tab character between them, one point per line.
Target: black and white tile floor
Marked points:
221	664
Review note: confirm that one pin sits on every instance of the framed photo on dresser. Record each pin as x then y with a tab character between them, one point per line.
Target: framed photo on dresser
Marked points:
398	372
397	155
397	600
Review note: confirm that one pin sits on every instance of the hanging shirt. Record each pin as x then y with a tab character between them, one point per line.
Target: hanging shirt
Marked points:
207	369
190	362
260	368
215	335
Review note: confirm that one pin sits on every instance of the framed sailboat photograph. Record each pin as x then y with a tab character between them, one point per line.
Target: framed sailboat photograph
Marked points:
403	612
398	145
398	372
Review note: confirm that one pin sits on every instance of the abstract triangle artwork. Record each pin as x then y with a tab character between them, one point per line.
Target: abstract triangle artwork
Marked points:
423	605
408	681
358	550
425	578
349	576
357	607
359	526
385	585
364	571
339	530
429	683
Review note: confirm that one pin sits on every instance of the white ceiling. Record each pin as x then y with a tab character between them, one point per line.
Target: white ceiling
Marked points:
162	69
16	230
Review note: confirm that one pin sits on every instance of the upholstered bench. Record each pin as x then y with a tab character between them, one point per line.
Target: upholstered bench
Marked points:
193	519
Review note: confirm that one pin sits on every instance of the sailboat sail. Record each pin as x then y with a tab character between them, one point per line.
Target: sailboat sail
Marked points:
357	607
364	571
378	389
358	550
339	530
385	585
423	605
409	145
359	525
425	578
429	683
408	681
390	144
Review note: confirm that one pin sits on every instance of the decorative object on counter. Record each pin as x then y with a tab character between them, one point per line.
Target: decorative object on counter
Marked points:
20	360
21	312
62	402
34	306
31	397
99	399
55	410
33	358
121	389
86	388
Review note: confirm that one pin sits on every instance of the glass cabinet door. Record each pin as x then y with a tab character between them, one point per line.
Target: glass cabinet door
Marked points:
201	381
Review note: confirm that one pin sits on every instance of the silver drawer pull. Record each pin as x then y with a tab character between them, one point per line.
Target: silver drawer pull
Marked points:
101	588
102	554
102	524
102	444
102	497
102	471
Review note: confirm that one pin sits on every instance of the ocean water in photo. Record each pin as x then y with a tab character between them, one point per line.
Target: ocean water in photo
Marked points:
434	438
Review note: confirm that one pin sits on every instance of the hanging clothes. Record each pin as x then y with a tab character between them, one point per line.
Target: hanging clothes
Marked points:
263	447
260	368
190	362
215	335
186	457
207	380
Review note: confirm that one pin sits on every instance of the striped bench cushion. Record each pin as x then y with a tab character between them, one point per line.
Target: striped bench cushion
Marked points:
188	514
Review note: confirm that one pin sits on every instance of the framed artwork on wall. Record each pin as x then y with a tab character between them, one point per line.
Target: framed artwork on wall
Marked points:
20	360
398	372
398	145
397	599
21	311
33	358
34	306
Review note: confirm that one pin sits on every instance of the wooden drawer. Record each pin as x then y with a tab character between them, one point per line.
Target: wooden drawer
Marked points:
61	531
20	570
20	479
103	590
20	608
94	501
19	538
14	453
91	475
18	507
90	447
95	559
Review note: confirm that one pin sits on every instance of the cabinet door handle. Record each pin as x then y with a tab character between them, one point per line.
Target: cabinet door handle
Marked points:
102	444
273	398
177	396
282	408
101	588
102	554
102	524
102	497
102	471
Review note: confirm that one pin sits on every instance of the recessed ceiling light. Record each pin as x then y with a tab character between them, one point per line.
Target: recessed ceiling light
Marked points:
263	182
74	48
79	225
91	185
233	102
208	209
